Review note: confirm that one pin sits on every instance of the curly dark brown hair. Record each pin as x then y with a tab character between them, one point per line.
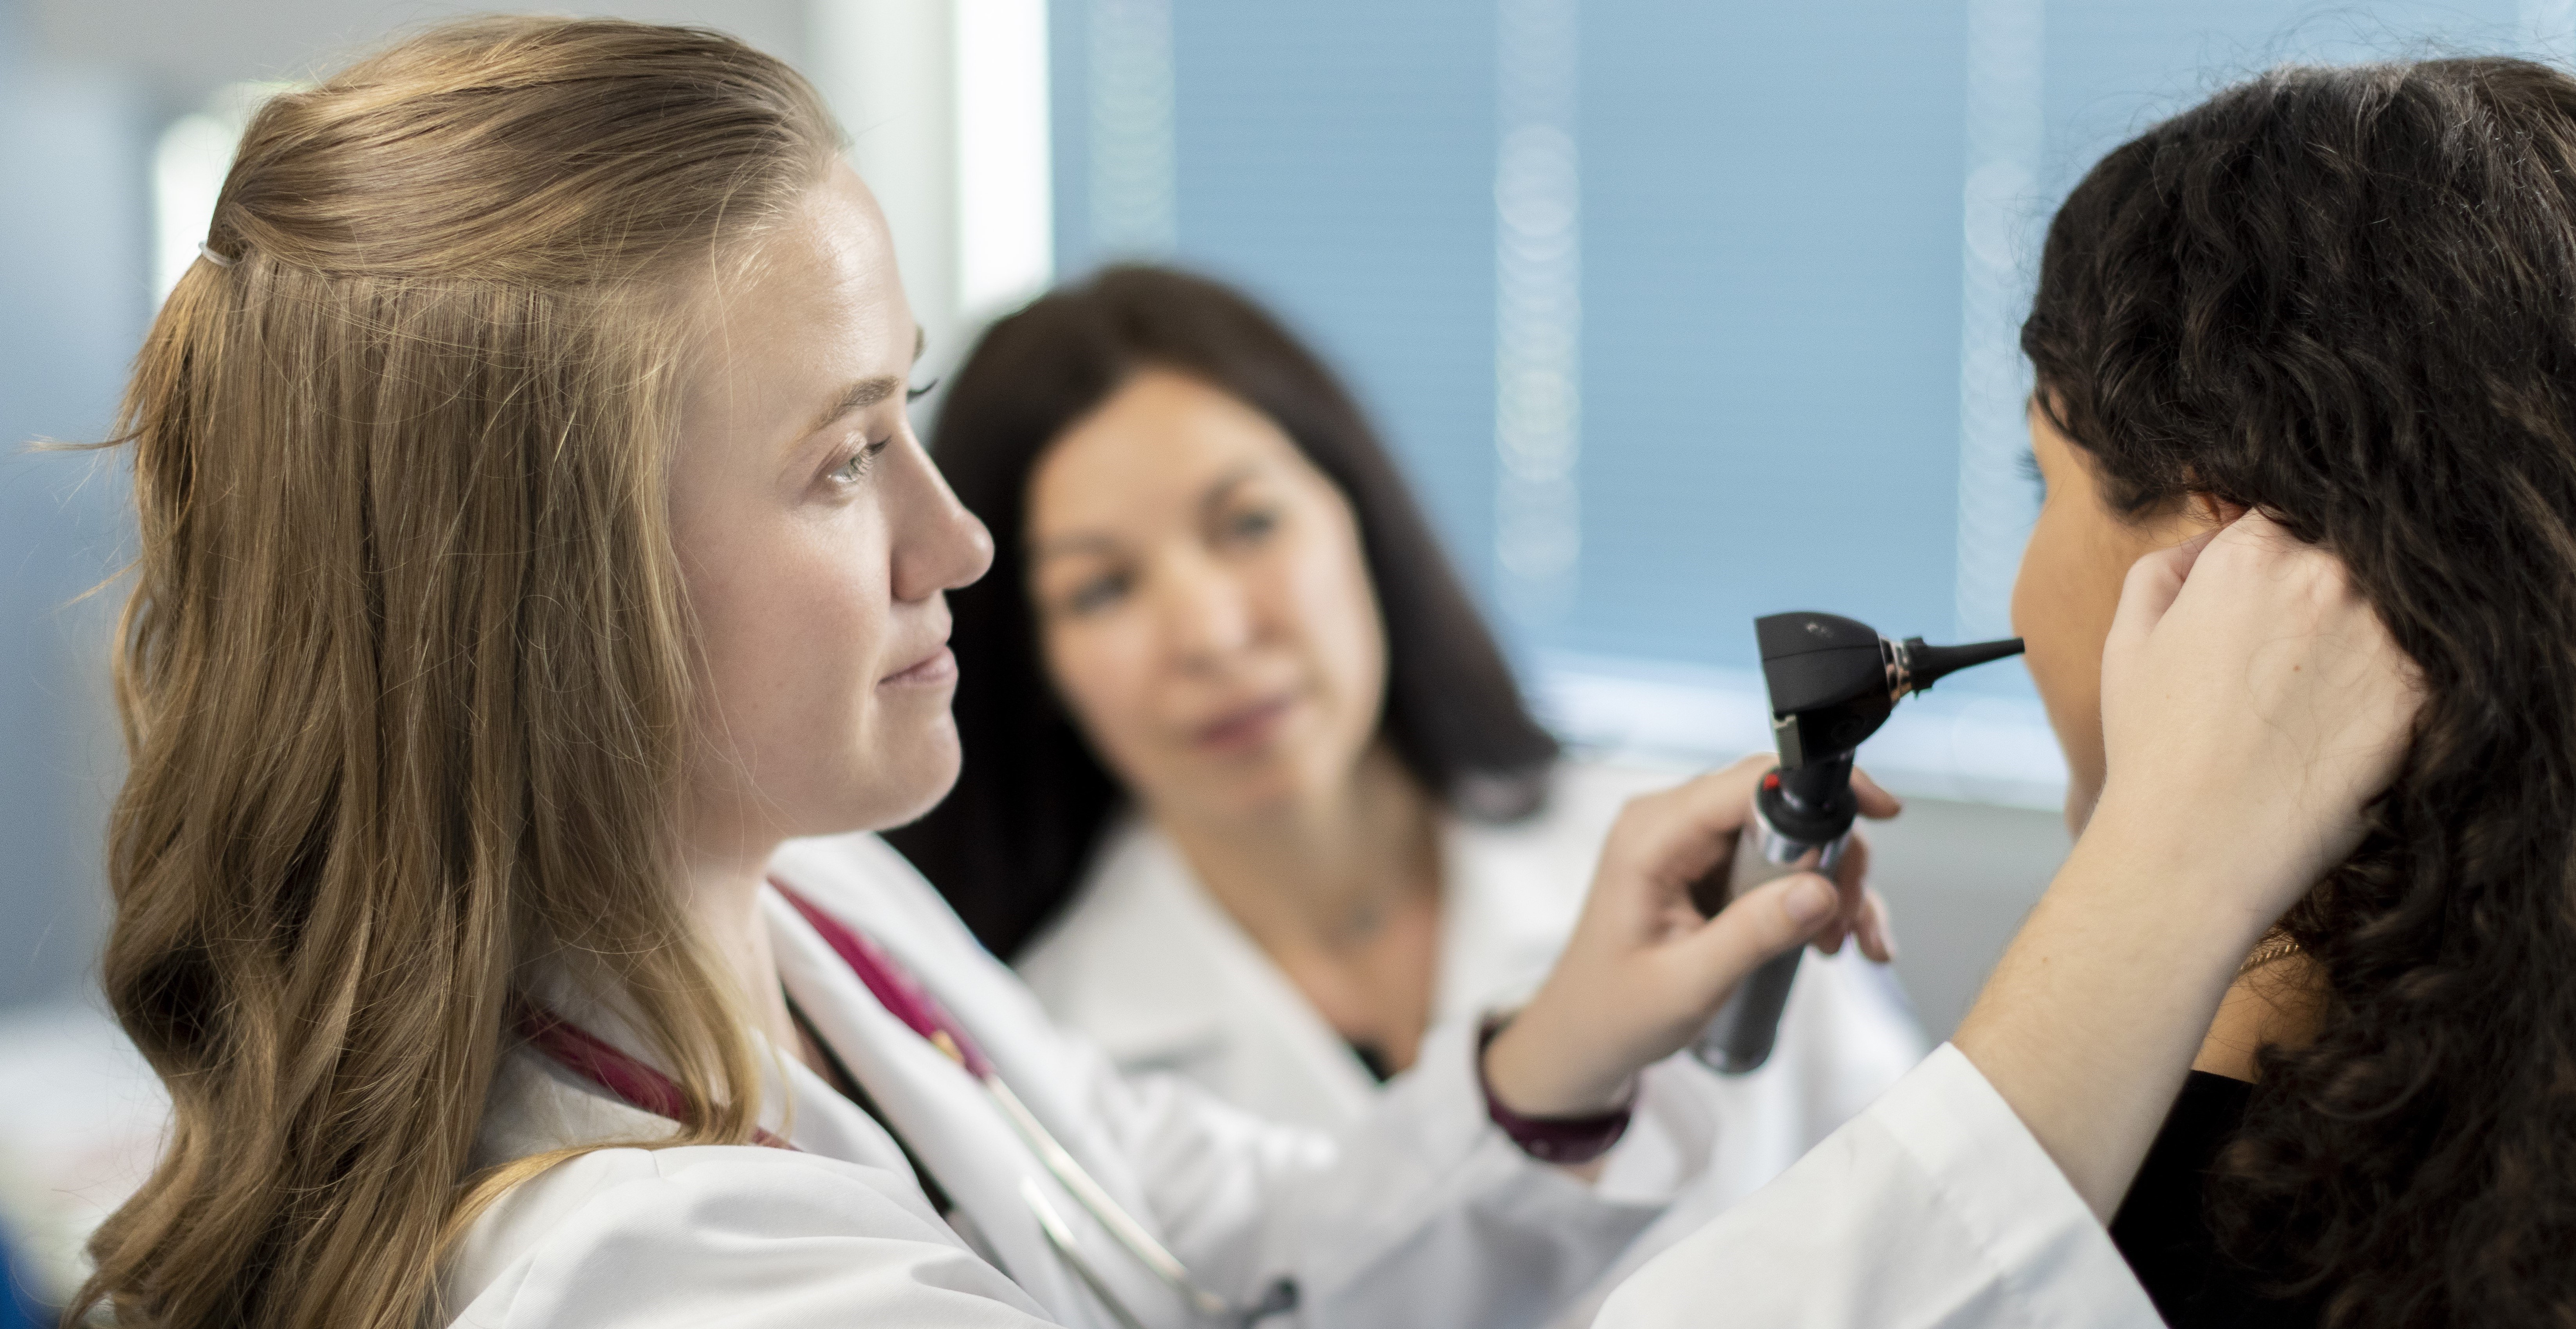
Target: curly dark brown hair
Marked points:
2347	297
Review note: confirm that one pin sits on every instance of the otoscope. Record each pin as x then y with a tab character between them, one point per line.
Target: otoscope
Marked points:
1833	682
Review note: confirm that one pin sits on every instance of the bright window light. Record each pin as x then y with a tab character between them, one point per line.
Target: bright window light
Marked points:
188	169
1005	194
187	173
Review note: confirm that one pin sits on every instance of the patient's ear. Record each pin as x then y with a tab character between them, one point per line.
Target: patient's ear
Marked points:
2209	510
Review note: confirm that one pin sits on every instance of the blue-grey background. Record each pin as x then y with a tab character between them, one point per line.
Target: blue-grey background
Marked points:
1771	202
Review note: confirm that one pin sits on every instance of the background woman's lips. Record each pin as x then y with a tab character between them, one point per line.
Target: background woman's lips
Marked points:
1245	726
940	666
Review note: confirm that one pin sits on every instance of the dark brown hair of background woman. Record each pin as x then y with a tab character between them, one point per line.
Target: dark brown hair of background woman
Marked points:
1009	845
2347	297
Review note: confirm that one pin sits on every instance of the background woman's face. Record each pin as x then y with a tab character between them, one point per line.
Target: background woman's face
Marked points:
815	540
1204	606
2068	590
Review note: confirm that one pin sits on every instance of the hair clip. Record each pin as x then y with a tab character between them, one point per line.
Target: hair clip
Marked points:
212	257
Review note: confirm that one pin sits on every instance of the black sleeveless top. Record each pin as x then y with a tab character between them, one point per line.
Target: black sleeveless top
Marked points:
2163	1226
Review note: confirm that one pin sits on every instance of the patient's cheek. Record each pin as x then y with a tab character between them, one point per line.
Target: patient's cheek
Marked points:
2080	797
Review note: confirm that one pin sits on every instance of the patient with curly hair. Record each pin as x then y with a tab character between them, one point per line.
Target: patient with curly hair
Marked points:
2346	298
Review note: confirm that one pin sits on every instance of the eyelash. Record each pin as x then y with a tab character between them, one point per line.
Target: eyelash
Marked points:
916	394
2028	464
856	468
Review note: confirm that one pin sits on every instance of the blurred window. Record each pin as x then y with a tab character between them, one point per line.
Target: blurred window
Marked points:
1678	312
188	168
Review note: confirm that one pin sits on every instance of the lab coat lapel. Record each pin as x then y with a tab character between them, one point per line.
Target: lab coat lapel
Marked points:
926	1099
941	1111
1200	981
1510	898
863	881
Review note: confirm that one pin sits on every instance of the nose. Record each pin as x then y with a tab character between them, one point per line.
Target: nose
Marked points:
1206	615
938	545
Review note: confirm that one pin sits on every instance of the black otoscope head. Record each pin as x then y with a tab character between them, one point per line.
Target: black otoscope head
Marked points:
1833	681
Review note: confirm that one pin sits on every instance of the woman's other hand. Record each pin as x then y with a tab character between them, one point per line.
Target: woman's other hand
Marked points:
1644	971
2252	706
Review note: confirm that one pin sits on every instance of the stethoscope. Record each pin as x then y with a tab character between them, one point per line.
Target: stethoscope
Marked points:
641	1086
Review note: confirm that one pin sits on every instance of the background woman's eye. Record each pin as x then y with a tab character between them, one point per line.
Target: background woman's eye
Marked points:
1098	592
1251	524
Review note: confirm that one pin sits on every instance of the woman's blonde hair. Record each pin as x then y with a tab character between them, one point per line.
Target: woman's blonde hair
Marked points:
405	677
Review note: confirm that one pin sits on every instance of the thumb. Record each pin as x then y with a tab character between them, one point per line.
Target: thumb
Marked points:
1771	918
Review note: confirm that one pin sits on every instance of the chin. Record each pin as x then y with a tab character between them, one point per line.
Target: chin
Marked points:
925	778
1255	793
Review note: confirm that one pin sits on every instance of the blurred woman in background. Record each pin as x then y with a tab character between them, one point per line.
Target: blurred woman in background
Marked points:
1250	791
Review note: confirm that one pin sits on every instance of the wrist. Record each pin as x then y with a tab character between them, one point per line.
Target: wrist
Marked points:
2096	1009
2192	886
1568	1141
1532	1073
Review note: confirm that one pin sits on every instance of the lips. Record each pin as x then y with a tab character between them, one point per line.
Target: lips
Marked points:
1245	726
940	666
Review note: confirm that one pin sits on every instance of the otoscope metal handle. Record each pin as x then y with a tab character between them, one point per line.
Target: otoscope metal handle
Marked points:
1739	1040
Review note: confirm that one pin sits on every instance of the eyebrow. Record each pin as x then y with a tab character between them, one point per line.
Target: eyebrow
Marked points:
1214	498
868	392
1094	542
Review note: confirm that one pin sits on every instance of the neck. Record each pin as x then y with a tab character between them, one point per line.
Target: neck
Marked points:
1321	873
722	902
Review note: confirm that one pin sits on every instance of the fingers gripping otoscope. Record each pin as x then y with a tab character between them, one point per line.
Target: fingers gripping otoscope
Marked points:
1832	682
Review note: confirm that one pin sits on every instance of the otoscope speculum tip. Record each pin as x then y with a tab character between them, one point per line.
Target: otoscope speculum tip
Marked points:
1921	665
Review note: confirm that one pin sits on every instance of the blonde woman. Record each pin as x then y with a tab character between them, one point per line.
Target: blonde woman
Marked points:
534	549
535	560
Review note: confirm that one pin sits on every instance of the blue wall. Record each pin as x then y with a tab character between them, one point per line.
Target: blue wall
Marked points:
73	258
1771	319
1772	200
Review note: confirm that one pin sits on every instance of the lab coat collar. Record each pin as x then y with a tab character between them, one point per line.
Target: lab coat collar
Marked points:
943	1113
543	1106
1189	975
1509	895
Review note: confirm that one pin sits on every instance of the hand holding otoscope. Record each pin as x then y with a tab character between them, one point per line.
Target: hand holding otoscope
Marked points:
1832	683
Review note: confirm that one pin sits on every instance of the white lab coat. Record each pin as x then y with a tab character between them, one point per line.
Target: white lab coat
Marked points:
1422	1214
1146	966
1934	1209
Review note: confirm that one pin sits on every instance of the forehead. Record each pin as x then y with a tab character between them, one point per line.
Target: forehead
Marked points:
1158	442
815	300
